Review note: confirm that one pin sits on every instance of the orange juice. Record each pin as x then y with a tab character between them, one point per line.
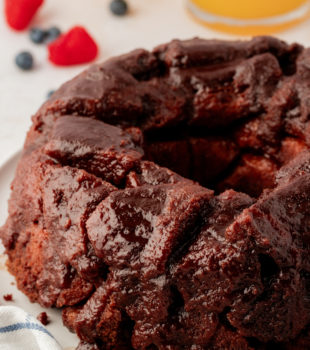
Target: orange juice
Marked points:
250	16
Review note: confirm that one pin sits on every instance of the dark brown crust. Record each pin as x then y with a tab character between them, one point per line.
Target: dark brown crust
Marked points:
143	257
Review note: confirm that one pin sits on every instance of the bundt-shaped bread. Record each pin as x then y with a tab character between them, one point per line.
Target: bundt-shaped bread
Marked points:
163	199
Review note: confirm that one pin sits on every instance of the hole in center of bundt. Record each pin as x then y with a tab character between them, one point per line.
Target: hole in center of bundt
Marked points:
213	158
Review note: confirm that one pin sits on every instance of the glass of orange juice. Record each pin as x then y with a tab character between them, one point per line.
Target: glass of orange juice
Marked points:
249	17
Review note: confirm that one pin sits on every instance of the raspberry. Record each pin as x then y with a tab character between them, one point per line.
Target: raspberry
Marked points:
74	47
19	13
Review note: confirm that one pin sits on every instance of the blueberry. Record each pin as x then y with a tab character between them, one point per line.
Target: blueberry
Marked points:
118	7
24	60
52	34
37	35
50	94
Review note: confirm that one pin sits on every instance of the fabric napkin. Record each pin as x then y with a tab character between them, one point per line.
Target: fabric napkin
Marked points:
19	330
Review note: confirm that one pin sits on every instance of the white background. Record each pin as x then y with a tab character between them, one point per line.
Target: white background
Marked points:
149	23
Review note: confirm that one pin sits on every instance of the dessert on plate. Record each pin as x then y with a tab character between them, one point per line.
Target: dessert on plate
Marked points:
163	199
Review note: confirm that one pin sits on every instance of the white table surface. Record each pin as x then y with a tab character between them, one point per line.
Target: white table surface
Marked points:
149	23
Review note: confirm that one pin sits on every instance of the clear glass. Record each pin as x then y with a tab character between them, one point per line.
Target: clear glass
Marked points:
249	16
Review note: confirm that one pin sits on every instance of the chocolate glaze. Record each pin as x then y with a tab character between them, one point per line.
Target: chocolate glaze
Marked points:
109	219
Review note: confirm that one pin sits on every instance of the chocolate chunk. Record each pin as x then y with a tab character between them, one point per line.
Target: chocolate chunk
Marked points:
43	318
